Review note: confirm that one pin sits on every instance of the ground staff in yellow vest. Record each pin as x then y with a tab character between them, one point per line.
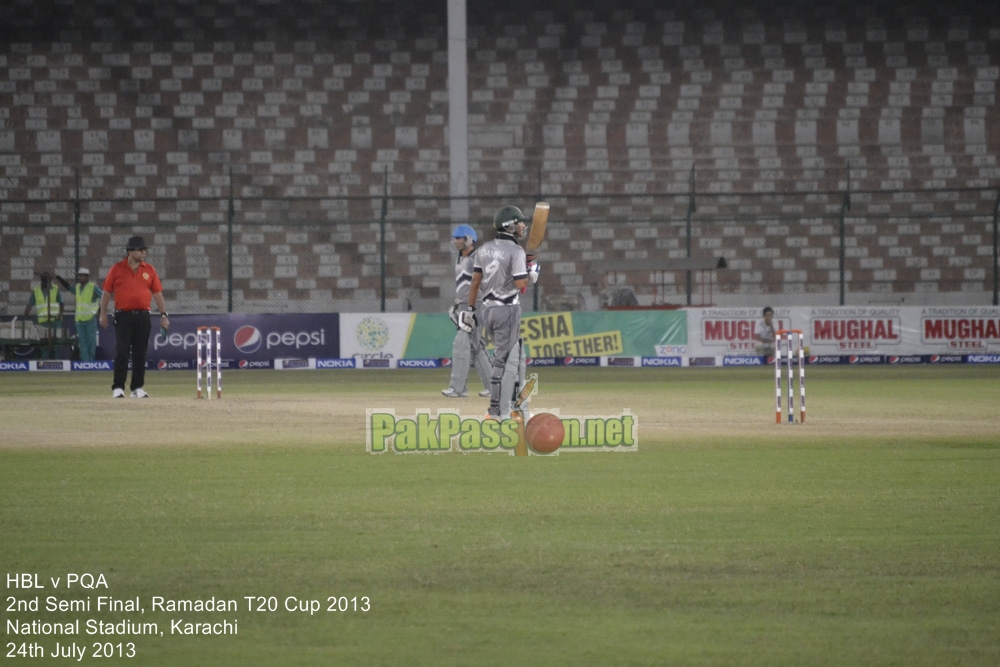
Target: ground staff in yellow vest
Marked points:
47	302
88	302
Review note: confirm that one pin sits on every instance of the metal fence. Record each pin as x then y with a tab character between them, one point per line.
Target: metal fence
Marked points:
229	251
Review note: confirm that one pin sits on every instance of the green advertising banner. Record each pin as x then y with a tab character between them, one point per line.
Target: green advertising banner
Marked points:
630	333
431	337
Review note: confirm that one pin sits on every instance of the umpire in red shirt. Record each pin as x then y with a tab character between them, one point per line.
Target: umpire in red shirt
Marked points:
133	283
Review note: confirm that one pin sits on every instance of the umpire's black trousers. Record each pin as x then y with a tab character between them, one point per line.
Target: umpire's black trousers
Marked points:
132	337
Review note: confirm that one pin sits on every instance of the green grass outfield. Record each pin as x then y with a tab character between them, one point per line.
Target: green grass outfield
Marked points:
868	536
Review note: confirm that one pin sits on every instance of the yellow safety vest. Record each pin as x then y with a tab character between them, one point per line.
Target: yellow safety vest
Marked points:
86	307
47	311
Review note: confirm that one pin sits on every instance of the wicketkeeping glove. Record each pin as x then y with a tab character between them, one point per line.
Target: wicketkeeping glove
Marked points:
467	319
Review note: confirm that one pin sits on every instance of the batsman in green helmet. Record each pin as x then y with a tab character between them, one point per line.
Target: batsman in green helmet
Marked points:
500	275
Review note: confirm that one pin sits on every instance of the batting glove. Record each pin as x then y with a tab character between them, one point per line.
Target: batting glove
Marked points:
453	314
467	320
533	270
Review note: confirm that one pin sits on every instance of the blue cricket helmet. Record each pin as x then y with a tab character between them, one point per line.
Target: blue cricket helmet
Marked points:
463	231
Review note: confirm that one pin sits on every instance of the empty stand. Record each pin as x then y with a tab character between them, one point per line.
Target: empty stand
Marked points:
153	117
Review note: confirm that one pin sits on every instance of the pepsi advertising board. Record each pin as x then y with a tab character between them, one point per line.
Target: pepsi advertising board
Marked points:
248	341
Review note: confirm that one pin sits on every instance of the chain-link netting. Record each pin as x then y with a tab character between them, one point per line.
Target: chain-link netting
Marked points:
318	254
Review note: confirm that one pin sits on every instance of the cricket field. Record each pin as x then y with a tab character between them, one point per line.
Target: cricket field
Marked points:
259	530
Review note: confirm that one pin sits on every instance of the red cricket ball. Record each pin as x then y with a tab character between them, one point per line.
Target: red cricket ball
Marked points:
545	433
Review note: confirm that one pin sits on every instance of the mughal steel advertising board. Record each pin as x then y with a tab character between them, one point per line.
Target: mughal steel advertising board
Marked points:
970	330
846	330
733	331
900	332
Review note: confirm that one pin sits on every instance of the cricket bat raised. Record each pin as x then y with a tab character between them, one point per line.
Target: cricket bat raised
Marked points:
538	223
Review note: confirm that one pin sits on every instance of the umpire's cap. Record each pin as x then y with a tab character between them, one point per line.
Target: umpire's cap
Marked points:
136	243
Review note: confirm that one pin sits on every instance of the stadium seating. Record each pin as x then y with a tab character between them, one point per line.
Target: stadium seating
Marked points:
160	118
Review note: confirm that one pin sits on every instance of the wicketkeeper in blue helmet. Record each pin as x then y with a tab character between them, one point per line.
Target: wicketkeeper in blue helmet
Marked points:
469	348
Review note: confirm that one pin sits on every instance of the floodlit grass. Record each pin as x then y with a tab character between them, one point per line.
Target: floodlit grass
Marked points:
866	537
